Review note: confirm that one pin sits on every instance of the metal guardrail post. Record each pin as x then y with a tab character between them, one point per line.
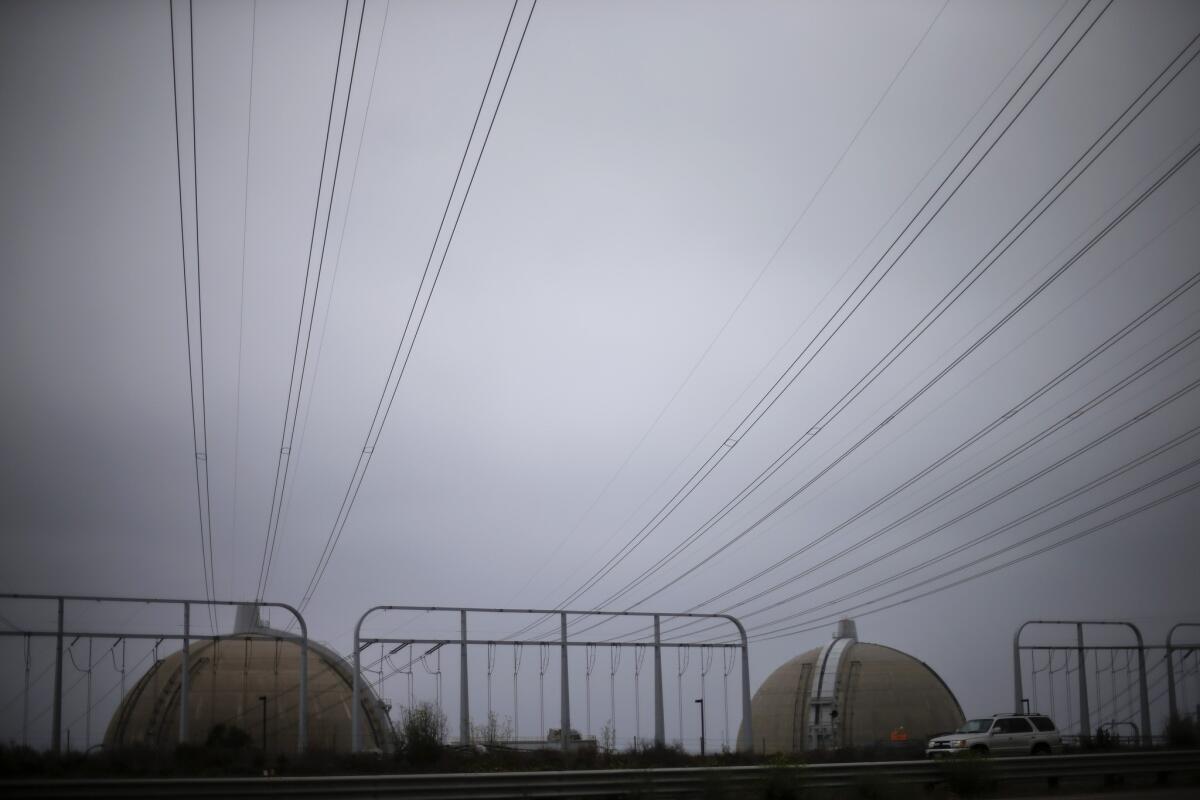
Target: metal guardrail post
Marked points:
565	688
464	707
56	734
660	734
183	680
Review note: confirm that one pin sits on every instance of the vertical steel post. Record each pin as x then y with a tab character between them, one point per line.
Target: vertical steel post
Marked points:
1171	698
700	700
56	733
660	734
1172	708
25	696
564	687
746	745
1147	733
355	692
183	680
1017	690
87	713
464	711
302	727
1085	721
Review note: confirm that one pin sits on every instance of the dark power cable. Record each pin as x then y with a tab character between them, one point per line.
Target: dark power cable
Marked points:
287	435
198	454
422	299
833	324
964	284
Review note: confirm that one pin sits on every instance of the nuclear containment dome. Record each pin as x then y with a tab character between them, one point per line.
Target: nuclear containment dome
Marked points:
851	694
244	681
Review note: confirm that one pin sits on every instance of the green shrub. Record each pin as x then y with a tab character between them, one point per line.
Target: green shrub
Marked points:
421	735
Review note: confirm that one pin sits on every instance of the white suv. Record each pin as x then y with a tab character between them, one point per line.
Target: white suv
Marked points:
1000	735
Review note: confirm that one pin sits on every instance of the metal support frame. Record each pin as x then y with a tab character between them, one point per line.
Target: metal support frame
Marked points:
1171	648
1080	647
59	634
745	740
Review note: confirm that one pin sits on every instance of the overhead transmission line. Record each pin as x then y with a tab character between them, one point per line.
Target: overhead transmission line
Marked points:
804	439
799	627
1113	474
1089	157
979	474
195	360
838	319
745	296
1088	447
803	323
305	321
420	303
974	438
337	263
237	417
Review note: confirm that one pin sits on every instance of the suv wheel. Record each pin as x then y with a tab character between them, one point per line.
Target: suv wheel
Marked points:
1041	749
980	750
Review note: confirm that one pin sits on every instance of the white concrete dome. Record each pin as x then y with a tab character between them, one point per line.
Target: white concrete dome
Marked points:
851	694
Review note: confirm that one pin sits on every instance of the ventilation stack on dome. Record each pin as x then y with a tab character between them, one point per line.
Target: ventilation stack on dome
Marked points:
227	678
851	694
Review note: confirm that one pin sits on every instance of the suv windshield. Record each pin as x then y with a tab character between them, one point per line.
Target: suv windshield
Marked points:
975	726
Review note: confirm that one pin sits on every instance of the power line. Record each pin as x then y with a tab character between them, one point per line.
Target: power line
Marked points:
792	630
992	533
237	418
199	425
1082	450
745	296
858	257
1187	285
982	472
970	480
341	238
424	295
964	284
288	433
834	324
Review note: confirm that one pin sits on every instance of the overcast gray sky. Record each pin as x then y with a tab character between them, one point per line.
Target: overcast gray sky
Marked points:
677	213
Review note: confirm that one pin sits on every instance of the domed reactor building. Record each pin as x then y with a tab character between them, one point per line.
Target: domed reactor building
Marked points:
851	694
227	680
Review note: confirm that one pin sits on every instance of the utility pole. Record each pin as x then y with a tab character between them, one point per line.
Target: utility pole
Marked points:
700	700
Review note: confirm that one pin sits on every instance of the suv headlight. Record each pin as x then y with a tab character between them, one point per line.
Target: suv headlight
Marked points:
958	743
